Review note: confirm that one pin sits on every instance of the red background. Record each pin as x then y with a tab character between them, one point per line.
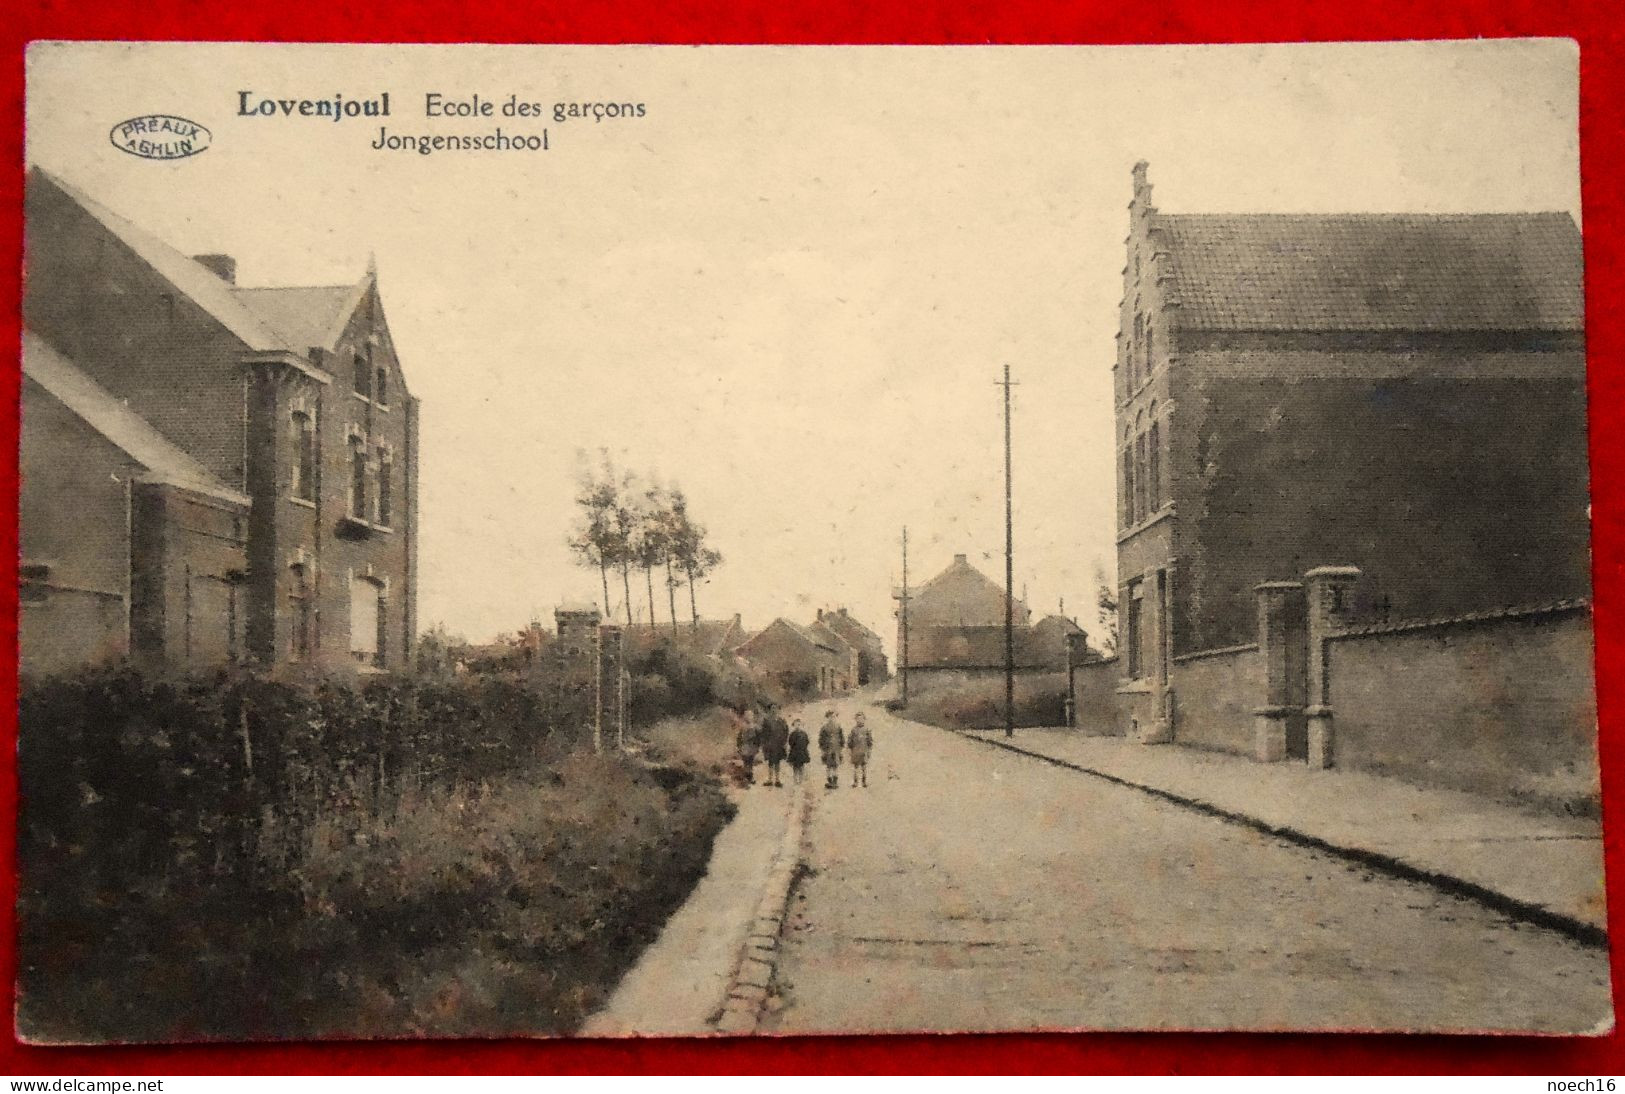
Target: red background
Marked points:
1602	50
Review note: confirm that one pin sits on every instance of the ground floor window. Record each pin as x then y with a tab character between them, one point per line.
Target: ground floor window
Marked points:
1135	627
299	631
367	621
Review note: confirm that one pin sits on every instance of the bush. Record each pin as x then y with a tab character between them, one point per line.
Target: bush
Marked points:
233	856
979	703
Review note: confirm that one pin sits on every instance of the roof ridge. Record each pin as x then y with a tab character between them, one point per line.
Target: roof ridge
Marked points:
120	424
200	284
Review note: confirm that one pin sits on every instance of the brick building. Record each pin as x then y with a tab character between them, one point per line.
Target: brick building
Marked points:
811	659
871	649
210	473
956	629
1401	396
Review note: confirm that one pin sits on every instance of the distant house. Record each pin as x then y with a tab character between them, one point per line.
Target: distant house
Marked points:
211	473
871	649
708	638
956	624
1053	639
809	660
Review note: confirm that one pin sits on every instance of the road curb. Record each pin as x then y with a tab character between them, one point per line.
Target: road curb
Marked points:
746	998
1587	934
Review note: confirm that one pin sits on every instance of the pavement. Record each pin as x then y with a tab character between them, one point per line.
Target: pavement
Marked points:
1541	862
975	888
682	982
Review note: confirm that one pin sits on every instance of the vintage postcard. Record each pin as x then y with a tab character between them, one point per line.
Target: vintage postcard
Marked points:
612	541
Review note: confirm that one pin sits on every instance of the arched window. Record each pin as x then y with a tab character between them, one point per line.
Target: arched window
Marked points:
1153	469
1127	502
380	386
1150	343
386	465
367	615
363	375
1140	509
302	434
1137	349
358	478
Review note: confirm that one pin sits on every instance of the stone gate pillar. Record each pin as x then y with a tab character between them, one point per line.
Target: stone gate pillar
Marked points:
613	683
1277	602
1327	590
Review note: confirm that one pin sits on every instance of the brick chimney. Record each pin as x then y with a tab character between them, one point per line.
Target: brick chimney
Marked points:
961	560
222	266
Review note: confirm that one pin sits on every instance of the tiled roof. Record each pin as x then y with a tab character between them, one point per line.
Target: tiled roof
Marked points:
822	637
830	638
711	636
1372	272
114	420
304	316
201	285
960	569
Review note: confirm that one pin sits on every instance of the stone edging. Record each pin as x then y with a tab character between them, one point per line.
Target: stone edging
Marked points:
758	958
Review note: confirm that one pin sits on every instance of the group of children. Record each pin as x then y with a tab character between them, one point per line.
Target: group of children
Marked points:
776	741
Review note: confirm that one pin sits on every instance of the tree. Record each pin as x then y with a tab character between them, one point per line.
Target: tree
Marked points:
690	553
437	651
1106	603
625	516
593	540
652	545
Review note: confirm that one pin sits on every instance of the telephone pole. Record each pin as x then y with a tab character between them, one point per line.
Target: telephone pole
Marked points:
1009	574
902	668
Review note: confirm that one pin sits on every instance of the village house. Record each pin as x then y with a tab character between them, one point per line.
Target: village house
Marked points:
211	473
808	659
1342	434
956	631
871	649
706	637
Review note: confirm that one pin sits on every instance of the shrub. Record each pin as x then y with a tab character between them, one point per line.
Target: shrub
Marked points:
236	856
979	703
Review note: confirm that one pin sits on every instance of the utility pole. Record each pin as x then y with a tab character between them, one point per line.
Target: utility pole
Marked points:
1009	574
903	653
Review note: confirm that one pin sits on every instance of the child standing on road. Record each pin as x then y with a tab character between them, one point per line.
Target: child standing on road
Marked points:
748	741
831	740
859	744
775	739
799	755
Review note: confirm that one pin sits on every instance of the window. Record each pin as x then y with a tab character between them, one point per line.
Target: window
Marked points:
1140	510
1137	349
363	375
1150	342
380	386
303	431
1136	602
386	464
1153	465
358	478
298	615
366	620
1127	505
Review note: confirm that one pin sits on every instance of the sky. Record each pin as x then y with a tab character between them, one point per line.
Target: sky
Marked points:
790	285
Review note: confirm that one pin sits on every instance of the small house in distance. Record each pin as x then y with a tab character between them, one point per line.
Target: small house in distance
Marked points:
956	630
707	637
802	660
872	667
